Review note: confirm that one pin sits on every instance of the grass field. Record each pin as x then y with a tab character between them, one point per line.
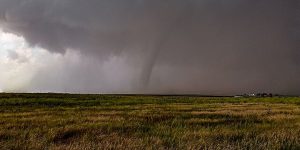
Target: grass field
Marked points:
65	121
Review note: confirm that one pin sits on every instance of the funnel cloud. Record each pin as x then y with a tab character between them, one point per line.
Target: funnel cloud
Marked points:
152	46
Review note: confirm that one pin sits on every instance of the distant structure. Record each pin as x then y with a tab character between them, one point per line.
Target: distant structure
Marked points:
256	95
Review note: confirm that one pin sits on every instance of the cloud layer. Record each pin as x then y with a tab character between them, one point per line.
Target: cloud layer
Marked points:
171	46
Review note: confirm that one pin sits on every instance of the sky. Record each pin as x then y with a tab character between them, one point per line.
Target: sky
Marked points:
209	47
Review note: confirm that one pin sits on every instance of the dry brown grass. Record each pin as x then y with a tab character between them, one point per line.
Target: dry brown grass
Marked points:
148	122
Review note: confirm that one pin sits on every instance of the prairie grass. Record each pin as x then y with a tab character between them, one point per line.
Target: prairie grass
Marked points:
65	121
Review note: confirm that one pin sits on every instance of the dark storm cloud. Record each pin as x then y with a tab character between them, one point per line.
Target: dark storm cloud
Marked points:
213	46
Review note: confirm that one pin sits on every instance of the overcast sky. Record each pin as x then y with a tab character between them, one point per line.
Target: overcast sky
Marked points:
220	47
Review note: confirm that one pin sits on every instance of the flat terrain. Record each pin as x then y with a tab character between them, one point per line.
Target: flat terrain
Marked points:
65	121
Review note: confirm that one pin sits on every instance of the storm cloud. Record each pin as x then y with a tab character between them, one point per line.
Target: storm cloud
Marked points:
165	46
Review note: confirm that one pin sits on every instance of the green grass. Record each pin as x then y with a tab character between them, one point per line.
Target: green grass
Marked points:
66	121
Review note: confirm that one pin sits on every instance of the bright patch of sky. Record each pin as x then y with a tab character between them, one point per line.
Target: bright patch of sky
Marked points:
17	64
33	69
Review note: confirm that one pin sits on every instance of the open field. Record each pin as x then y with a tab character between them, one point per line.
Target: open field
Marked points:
65	121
